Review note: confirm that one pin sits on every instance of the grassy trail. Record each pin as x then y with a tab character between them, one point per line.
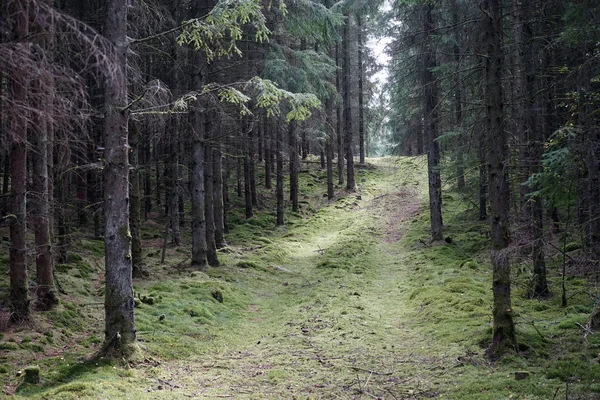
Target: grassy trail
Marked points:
330	323
348	301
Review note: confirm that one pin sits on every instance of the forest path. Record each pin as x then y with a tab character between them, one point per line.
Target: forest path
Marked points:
330	323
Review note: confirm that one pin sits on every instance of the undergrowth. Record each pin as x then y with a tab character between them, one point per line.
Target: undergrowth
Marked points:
349	299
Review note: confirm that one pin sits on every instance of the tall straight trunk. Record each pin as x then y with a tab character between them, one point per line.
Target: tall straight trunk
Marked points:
147	180
348	130
219	206
45	292
458	95
361	74
267	134
62	223
279	178
198	125
252	165
338	120
211	246
135	214
19	295
430	128
199	247
157	173
119	303
483	177
260	139
294	165
247	185
503	329
173	182
329	145
531	137
238	175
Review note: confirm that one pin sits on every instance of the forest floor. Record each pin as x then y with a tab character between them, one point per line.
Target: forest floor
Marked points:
348	301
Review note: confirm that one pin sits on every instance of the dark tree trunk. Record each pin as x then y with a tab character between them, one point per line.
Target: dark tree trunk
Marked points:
45	293
239	178
361	73
503	335
531	138
430	129
19	295
158	174
198	125
120	329
135	217
279	179
294	165
329	145
346	76
338	121
268	151
252	165
211	246
247	185
147	181
173	183
458	97
219	206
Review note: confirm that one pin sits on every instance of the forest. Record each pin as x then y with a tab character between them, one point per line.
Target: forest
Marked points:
354	199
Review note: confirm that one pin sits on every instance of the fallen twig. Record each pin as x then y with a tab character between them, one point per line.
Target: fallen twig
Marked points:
371	371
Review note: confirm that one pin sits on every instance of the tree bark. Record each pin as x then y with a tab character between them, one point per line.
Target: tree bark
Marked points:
503	335
135	215
120	330
19	295
294	165
430	128
279	179
361	73
219	206
348	130
338	121
211	246
46	296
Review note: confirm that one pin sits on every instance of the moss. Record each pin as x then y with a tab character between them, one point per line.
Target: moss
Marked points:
9	346
572	246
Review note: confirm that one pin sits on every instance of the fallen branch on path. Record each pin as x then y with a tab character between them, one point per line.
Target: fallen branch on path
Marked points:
371	371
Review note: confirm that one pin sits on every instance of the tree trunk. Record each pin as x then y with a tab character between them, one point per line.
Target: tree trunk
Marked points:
135	215
45	293
219	206
361	73
198	125
503	335
338	121
279	178
120	330
211	246
430	116
329	145
19	295
173	183
268	150
247	185
458	97
346	75
294	165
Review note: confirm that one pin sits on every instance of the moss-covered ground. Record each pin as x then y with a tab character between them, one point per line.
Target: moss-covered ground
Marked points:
349	300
